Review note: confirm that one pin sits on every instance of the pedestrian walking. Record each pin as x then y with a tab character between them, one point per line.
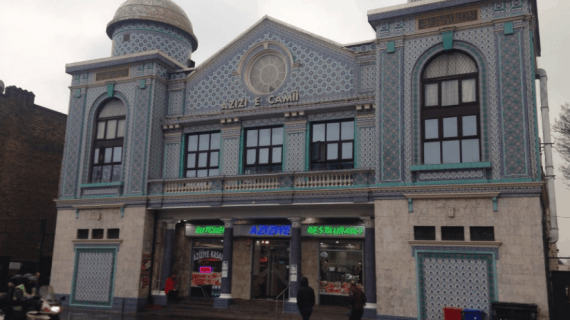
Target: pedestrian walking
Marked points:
305	299
170	288
356	301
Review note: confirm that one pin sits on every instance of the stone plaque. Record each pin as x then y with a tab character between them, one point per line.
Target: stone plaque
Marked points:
448	19
113	74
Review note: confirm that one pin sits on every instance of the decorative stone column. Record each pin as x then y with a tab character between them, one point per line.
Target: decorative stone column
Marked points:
294	265
369	268
223	301
167	253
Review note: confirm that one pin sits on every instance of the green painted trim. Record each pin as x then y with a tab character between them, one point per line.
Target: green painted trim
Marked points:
356	138
447	38
183	155
102	184
110	90
146	144
122	212
495	204
391	47
143	84
410	205
78	93
76	213
509	28
308	147
241	141
467	165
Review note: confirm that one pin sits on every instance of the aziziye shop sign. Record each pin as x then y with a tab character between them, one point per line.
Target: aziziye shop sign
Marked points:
335	231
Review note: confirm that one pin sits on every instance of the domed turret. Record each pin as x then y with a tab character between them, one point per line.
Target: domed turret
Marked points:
143	25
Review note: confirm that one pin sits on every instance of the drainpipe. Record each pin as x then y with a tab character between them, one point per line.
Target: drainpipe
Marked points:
553	236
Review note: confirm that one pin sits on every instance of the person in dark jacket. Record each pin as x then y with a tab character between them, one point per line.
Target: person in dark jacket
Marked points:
305	299
356	301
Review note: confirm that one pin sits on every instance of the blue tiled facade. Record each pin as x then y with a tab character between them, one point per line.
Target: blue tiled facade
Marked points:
377	84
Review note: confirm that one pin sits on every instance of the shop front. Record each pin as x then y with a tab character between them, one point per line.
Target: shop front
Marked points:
206	260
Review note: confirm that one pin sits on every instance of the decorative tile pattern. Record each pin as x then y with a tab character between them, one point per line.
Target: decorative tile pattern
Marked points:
504	9
155	149
367	147
531	101
72	147
390	129
230	156
455	280
171	160
263	122
90	192
139	140
295	153
206	127
363	47
93	277
367	78
323	73
175	103
395	28
145	36
324	116
513	104
452	175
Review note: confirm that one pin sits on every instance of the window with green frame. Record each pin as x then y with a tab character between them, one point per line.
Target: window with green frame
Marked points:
332	145
263	151
203	154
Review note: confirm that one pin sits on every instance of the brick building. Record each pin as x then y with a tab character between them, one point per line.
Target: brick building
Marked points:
31	149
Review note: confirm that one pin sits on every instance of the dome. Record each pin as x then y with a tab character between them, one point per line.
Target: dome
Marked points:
164	11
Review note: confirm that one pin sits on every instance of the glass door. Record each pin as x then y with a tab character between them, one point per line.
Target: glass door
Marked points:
270	268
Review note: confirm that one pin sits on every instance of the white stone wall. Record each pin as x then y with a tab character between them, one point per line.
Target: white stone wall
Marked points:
129	256
520	270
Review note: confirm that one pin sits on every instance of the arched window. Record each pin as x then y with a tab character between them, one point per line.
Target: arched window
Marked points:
107	164
450	110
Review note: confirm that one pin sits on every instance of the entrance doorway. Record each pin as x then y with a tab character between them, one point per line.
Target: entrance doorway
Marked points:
270	268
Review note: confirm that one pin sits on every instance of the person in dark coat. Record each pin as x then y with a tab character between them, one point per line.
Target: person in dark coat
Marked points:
305	299
356	301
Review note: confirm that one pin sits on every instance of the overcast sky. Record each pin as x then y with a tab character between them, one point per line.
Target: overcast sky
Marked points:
38	37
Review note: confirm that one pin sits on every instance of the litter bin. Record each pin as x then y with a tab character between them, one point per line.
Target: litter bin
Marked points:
450	313
472	314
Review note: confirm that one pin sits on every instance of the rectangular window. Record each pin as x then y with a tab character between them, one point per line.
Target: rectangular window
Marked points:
482	233
82	233
203	155
113	233
453	233
451	140
263	150
340	262
424	233
97	234
332	145
107	164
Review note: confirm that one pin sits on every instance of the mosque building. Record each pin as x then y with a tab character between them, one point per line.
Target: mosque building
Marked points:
409	163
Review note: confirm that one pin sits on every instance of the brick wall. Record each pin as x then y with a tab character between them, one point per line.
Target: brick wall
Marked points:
31	149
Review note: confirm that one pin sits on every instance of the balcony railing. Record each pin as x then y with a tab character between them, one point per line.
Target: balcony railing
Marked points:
282	180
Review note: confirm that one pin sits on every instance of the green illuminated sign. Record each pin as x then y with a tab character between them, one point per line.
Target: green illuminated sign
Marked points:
210	230
335	231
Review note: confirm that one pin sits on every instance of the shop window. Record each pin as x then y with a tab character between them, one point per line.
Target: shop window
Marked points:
340	262
482	233
452	233
424	233
332	145
203	155
97	234
113	233
263	150
207	256
110	128
82	233
450	112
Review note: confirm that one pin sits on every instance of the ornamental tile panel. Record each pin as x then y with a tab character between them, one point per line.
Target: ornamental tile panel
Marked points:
93	277
295	152
457	280
171	160
514	117
175	103
155	149
367	78
230	156
139	140
72	147
504	9
367	147
389	112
